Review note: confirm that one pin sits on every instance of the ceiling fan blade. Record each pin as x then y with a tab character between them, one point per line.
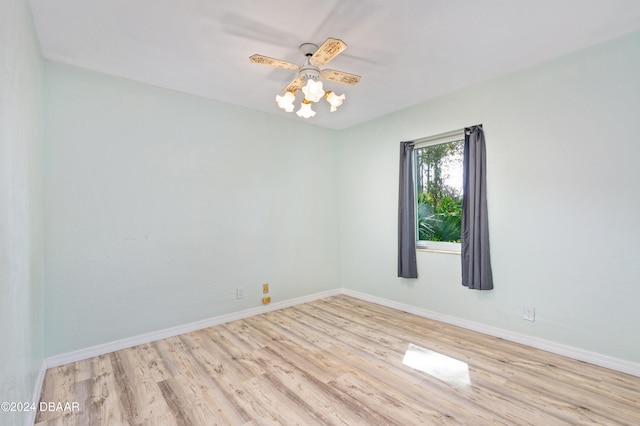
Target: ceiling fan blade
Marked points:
295	85
331	48
340	77
265	60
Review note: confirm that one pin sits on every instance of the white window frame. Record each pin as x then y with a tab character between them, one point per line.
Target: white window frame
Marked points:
435	246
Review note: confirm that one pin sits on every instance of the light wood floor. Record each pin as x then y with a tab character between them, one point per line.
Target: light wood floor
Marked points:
337	361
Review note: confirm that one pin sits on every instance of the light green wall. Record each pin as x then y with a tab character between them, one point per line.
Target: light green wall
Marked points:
564	196
21	208
160	204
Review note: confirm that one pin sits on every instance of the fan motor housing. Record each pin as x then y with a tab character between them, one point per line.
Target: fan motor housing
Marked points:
309	71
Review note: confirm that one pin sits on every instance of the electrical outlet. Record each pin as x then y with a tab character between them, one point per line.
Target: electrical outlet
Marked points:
266	300
529	313
265	288
240	293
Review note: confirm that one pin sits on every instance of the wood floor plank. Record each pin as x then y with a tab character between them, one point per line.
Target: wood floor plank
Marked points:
336	361
144	399
104	403
407	411
147	355
214	356
180	411
286	327
322	402
276	404
196	390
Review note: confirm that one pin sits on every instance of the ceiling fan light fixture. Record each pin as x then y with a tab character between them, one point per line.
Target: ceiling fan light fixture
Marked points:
313	91
334	100
305	110
309	76
286	101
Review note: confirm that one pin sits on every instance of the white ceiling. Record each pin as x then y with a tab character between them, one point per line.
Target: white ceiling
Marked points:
407	51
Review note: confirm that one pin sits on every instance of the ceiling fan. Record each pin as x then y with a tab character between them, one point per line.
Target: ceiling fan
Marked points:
308	76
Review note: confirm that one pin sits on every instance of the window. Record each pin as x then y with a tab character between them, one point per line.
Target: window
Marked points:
438	191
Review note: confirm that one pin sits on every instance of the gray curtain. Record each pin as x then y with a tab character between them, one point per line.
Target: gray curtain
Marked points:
407	267
476	260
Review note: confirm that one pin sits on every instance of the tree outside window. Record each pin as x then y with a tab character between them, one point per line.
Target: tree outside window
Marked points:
439	191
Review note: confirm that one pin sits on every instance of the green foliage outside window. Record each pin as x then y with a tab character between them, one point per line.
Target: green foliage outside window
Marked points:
439	191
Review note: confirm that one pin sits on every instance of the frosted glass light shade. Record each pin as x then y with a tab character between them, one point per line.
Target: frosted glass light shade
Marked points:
313	90
334	100
286	101
305	110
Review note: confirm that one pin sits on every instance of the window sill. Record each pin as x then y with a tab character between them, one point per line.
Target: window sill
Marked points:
428	250
439	247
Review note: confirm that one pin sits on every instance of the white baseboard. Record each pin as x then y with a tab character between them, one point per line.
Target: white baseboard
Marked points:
130	342
545	345
35	396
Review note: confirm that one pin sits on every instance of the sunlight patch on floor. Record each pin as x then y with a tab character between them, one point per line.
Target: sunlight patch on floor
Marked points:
442	367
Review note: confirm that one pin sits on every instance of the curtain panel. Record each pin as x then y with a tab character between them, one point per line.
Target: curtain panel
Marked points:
476	259
407	266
